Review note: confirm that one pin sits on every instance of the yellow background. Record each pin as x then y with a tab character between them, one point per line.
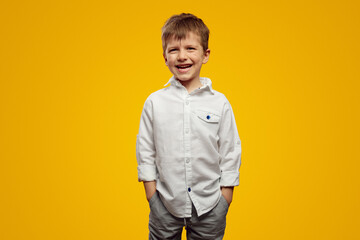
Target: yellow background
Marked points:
73	79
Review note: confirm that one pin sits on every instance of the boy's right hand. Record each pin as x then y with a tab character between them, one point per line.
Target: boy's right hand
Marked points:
150	189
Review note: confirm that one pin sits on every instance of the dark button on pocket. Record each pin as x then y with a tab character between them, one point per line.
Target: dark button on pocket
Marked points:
208	117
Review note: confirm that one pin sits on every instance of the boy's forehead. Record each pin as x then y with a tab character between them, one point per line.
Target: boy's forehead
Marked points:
190	36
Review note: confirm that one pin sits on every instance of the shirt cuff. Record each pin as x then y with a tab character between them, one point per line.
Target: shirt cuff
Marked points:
146	173
229	179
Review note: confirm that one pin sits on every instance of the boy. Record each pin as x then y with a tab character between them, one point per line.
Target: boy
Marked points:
188	148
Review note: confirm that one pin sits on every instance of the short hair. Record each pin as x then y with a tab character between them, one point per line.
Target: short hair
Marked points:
179	26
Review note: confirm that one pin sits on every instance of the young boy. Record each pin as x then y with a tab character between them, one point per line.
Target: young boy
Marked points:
188	147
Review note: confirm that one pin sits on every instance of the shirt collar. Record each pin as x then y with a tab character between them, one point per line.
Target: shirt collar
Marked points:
206	82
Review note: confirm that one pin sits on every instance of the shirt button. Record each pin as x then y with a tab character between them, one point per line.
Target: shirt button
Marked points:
189	189
187	102
187	130
187	160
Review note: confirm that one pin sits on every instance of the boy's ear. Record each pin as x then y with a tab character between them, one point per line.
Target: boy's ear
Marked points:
206	56
165	58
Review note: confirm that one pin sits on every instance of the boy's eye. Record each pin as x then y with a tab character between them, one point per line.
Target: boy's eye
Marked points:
191	48
172	50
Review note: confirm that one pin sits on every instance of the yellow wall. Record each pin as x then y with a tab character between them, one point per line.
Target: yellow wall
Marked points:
73	79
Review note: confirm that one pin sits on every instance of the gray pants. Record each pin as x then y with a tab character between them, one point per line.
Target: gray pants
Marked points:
163	225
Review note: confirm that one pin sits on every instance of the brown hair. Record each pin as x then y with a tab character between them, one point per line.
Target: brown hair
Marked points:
179	26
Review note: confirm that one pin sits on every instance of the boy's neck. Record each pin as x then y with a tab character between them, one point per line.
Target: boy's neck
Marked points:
191	85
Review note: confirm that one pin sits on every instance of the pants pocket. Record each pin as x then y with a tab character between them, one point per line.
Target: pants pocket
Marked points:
153	199
224	202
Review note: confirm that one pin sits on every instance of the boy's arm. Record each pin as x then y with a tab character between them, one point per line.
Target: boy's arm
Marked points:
145	151
227	192
230	152
150	189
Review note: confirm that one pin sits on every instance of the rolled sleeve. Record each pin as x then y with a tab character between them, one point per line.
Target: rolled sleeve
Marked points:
229	179
146	172
229	148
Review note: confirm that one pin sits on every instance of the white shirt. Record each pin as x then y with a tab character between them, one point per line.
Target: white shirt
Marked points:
188	144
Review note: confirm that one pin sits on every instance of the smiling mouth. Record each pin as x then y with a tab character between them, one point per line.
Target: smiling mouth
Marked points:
184	66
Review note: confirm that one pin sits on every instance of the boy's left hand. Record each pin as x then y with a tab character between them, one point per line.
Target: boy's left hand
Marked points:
227	192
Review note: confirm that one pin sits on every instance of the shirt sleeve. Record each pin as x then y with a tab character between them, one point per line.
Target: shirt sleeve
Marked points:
145	147
229	148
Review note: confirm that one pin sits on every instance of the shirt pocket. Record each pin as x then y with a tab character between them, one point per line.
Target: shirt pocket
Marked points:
207	126
208	116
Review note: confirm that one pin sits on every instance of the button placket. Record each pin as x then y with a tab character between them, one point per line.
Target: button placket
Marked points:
187	150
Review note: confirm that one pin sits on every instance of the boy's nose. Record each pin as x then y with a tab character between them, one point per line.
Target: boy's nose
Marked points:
182	55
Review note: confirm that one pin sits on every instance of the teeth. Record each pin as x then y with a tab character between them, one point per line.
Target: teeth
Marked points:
184	66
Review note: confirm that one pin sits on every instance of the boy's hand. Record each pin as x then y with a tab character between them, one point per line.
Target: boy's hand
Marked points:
227	192
150	189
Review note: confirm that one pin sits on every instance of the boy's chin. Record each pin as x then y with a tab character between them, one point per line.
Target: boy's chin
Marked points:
184	79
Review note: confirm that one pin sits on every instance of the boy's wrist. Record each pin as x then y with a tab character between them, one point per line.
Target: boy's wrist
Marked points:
227	192
150	189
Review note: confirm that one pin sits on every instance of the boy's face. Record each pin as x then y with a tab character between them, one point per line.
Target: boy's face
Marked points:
185	57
